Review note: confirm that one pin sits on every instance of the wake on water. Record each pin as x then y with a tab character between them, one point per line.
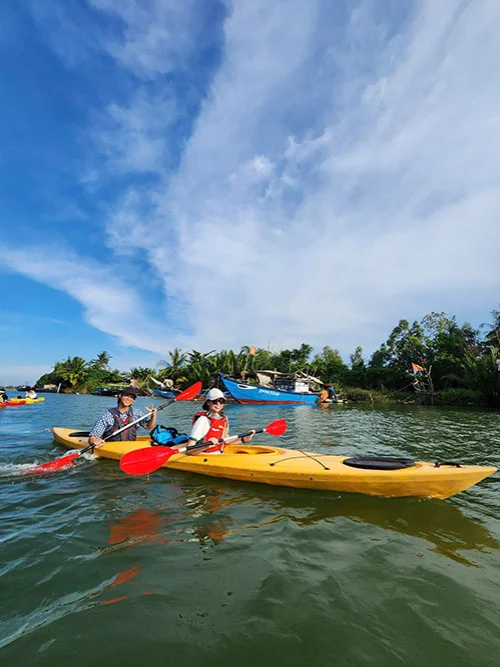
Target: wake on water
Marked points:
24	470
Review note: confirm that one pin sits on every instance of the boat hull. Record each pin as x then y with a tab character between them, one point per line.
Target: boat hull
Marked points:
163	394
286	467
249	394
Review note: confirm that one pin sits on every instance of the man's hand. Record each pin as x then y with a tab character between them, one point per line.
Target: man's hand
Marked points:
96	442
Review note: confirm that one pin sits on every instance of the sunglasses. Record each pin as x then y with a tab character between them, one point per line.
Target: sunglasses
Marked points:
219	400
130	396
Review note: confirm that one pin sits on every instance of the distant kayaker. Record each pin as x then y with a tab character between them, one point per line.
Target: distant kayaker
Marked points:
116	418
3	396
212	424
30	393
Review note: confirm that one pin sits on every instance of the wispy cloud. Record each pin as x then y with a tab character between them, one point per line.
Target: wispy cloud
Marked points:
111	301
134	138
155	36
337	171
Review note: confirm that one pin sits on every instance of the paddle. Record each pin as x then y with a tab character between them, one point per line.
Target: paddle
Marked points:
149	459
65	461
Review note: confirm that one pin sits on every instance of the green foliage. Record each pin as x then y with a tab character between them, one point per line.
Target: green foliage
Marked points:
329	366
481	372
493	336
356	395
385	377
102	360
458	396
141	374
460	362
73	372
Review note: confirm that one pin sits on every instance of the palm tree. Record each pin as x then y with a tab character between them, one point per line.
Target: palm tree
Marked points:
482	373
73	371
493	336
103	359
201	366
141	374
173	367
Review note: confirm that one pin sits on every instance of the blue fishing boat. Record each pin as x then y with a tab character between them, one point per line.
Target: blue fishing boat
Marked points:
284	392
163	394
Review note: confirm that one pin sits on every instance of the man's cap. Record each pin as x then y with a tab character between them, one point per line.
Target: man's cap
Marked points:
131	391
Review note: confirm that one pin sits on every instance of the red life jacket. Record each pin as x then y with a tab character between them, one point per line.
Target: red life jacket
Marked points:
218	428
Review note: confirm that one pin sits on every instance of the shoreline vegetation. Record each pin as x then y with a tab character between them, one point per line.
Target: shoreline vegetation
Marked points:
432	361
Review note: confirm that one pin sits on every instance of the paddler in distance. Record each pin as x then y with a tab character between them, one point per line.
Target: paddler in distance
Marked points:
212	424
116	418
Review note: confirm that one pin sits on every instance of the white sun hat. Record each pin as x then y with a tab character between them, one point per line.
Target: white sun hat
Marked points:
213	394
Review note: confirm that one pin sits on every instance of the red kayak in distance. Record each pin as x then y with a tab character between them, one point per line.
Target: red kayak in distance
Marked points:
10	403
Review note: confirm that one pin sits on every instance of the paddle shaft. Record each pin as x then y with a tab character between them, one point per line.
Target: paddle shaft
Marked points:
146	460
202	444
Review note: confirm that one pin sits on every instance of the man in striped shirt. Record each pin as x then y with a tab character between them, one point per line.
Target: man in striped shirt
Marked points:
115	418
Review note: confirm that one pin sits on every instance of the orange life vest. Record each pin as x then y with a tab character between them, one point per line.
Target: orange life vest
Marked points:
218	428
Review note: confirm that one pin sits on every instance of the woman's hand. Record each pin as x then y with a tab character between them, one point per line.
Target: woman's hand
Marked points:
248	437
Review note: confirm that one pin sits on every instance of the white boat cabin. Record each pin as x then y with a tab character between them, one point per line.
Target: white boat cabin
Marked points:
289	384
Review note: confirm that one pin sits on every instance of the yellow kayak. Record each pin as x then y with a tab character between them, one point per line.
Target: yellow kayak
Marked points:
27	401
298	469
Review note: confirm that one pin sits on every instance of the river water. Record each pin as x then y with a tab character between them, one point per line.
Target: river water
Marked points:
101	569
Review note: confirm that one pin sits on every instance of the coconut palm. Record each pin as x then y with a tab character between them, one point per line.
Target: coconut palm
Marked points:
173	367
103	359
73	371
493	336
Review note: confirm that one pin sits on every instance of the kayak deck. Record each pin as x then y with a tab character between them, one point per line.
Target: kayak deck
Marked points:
298	469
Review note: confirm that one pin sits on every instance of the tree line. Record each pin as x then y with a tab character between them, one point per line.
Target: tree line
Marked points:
463	362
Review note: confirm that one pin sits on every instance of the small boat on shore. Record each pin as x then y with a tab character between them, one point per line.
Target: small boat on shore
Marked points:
106	391
163	394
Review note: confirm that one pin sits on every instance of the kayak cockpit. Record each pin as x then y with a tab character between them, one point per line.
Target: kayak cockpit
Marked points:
253	450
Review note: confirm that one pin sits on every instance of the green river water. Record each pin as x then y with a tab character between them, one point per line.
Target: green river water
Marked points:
101	569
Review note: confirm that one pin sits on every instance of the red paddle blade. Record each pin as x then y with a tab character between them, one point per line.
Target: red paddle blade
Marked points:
189	393
53	466
144	461
276	428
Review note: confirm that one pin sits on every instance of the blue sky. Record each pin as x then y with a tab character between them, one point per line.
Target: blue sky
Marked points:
210	174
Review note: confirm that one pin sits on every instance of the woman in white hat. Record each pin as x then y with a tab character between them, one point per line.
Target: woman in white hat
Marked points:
212	424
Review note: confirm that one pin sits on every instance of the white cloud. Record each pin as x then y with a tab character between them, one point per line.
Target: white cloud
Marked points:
337	177
389	201
111	301
156	34
133	138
